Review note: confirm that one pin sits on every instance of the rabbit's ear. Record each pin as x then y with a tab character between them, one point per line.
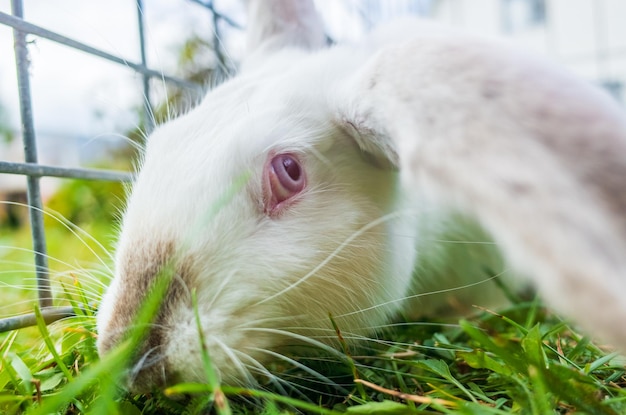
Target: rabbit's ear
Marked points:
535	155
277	24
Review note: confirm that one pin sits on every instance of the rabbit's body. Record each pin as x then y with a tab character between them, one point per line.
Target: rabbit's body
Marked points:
277	199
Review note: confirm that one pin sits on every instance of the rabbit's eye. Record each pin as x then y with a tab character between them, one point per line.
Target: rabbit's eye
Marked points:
285	178
287	170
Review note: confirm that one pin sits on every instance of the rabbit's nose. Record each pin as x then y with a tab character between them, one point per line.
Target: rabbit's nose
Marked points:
140	271
148	372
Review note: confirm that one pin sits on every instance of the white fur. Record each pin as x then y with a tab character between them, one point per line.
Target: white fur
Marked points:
351	244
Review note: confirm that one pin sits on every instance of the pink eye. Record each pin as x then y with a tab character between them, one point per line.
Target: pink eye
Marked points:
284	178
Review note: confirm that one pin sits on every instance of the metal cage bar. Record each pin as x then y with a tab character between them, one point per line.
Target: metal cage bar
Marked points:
147	106
35	205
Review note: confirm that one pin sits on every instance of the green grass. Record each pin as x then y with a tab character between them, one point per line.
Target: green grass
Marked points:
491	364
525	360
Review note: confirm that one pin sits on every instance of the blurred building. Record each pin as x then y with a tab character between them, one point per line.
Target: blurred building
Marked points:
588	36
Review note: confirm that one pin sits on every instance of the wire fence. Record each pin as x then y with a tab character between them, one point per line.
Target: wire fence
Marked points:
34	171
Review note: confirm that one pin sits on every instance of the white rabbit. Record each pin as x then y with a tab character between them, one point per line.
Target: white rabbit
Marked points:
354	160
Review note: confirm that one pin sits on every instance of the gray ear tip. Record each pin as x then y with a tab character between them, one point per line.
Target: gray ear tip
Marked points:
277	24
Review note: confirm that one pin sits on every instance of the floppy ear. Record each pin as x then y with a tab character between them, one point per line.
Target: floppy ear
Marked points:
277	24
535	155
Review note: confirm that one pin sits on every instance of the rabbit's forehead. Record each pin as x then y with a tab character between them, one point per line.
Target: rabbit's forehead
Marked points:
242	123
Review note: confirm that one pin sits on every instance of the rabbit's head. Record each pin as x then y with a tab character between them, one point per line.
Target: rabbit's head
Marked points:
260	201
